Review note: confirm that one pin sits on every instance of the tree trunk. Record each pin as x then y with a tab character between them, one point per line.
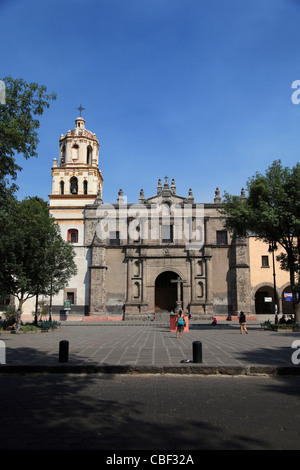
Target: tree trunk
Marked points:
297	312
291	265
36	308
21	301
50	308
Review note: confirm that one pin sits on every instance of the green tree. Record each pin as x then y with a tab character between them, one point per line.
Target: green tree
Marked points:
34	259
271	211
59	264
24	102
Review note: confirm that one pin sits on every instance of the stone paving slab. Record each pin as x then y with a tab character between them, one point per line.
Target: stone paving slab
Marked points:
150	347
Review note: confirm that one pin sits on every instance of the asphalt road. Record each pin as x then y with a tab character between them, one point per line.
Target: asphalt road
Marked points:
148	412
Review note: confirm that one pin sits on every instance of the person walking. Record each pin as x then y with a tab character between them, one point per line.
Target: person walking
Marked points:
180	324
242	320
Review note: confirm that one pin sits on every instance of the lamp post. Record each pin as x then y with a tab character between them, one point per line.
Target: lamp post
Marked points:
272	248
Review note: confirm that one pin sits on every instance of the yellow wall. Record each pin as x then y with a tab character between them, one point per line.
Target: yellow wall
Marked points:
259	274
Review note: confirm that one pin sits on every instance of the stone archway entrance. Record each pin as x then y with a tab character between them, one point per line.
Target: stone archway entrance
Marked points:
166	291
262	297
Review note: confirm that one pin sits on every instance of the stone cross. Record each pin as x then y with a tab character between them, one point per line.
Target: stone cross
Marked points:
80	109
178	281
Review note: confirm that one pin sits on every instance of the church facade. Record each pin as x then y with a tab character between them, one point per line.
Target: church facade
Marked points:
161	253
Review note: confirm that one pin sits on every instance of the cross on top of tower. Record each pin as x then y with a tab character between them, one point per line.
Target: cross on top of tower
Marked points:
80	108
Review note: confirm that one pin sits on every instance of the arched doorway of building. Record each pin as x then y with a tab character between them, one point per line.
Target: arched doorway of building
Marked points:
264	301
166	291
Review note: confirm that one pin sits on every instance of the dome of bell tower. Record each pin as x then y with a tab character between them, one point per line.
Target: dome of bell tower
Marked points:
79	146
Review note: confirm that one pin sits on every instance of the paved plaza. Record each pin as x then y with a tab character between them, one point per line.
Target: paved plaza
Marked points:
120	385
150	346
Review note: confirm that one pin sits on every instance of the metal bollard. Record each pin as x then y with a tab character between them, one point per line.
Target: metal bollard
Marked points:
63	351
197	351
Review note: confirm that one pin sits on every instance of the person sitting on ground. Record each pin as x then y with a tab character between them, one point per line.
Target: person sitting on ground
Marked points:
290	319
282	320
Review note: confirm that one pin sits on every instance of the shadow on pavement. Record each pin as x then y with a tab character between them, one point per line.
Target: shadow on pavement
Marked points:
85	412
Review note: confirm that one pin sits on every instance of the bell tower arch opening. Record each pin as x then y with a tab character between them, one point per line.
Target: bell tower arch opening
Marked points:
165	291
89	154
73	185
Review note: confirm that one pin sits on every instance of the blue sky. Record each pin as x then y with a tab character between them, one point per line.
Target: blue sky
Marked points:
194	90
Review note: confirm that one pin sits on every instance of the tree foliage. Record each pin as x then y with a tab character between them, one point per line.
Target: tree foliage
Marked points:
18	128
271	212
34	259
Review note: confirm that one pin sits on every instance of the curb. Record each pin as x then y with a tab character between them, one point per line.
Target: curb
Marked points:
272	371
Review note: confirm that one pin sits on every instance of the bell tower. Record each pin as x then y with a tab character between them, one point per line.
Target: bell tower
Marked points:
76	178
76	183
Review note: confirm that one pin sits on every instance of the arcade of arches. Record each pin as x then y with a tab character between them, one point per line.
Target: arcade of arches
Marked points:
265	301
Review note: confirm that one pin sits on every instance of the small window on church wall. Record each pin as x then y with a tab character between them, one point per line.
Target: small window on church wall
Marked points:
62	187
221	237
85	187
71	297
167	233
114	238
72	236
265	262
